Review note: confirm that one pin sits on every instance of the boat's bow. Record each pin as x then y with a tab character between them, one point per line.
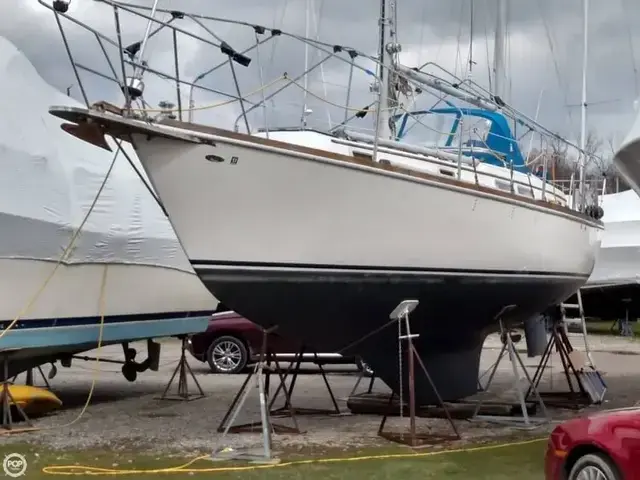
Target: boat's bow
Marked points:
92	124
627	158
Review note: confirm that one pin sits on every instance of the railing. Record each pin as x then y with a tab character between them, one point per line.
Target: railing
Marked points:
238	70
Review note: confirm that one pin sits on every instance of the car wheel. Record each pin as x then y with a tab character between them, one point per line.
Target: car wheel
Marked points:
227	354
594	466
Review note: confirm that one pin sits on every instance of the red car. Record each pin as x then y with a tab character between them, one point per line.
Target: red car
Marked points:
231	342
602	446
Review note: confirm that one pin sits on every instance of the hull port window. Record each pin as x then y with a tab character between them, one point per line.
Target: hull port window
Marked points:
526	191
506	186
362	156
448	173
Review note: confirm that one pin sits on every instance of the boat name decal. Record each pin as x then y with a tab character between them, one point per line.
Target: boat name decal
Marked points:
219	159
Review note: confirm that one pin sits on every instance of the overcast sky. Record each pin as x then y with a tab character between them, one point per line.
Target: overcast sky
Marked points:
544	53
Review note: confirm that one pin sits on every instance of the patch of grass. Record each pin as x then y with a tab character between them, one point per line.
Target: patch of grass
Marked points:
603	327
514	461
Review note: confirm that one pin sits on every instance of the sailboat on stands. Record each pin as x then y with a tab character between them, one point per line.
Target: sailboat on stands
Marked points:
86	255
324	232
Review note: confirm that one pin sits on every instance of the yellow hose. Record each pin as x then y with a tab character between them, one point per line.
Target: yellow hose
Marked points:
89	470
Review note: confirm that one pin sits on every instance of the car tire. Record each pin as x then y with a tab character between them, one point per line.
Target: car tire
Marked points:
227	354
594	465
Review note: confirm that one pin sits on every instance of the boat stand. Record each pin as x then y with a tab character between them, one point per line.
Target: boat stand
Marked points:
7	402
29	380
622	325
525	420
226	426
294	370
589	388
412	438
257	377
361	376
181	371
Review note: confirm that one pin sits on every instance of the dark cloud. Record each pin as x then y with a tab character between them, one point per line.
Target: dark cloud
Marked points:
545	52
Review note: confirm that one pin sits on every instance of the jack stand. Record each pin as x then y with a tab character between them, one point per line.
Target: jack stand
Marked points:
228	453
590	387
264	364
362	375
181	370
508	346
30	381
287	407
412	438
7	401
624	327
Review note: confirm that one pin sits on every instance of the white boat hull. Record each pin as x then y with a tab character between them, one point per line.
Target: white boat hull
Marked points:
281	209
326	245
326	250
74	291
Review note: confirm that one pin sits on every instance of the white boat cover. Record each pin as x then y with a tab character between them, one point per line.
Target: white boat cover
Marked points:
627	158
618	260
49	179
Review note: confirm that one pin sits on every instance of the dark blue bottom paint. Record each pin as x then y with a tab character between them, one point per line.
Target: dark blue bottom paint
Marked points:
332	310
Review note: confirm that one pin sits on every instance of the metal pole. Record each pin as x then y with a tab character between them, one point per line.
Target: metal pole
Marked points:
305	80
382	113
146	33
177	67
499	52
583	119
125	83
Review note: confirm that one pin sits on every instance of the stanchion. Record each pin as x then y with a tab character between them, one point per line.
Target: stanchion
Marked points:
412	438
181	370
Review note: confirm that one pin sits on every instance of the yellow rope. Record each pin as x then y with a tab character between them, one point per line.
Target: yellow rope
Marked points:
29	305
44	285
214	105
343	107
102	309
89	470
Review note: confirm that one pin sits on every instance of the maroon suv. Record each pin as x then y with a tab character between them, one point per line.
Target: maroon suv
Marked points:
231	342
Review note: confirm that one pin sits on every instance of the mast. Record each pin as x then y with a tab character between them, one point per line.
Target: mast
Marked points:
583	106
386	51
303	118
499	53
470	74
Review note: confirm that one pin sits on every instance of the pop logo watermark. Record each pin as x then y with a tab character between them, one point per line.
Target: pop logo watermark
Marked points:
14	465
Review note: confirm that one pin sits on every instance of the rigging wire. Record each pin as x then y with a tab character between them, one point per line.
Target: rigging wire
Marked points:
486	43
458	59
563	88
317	20
423	22
626	16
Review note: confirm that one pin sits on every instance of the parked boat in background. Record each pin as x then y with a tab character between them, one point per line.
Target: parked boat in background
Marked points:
48	181
613	290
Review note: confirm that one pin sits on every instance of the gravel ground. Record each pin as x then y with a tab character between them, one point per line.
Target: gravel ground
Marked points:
124	415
